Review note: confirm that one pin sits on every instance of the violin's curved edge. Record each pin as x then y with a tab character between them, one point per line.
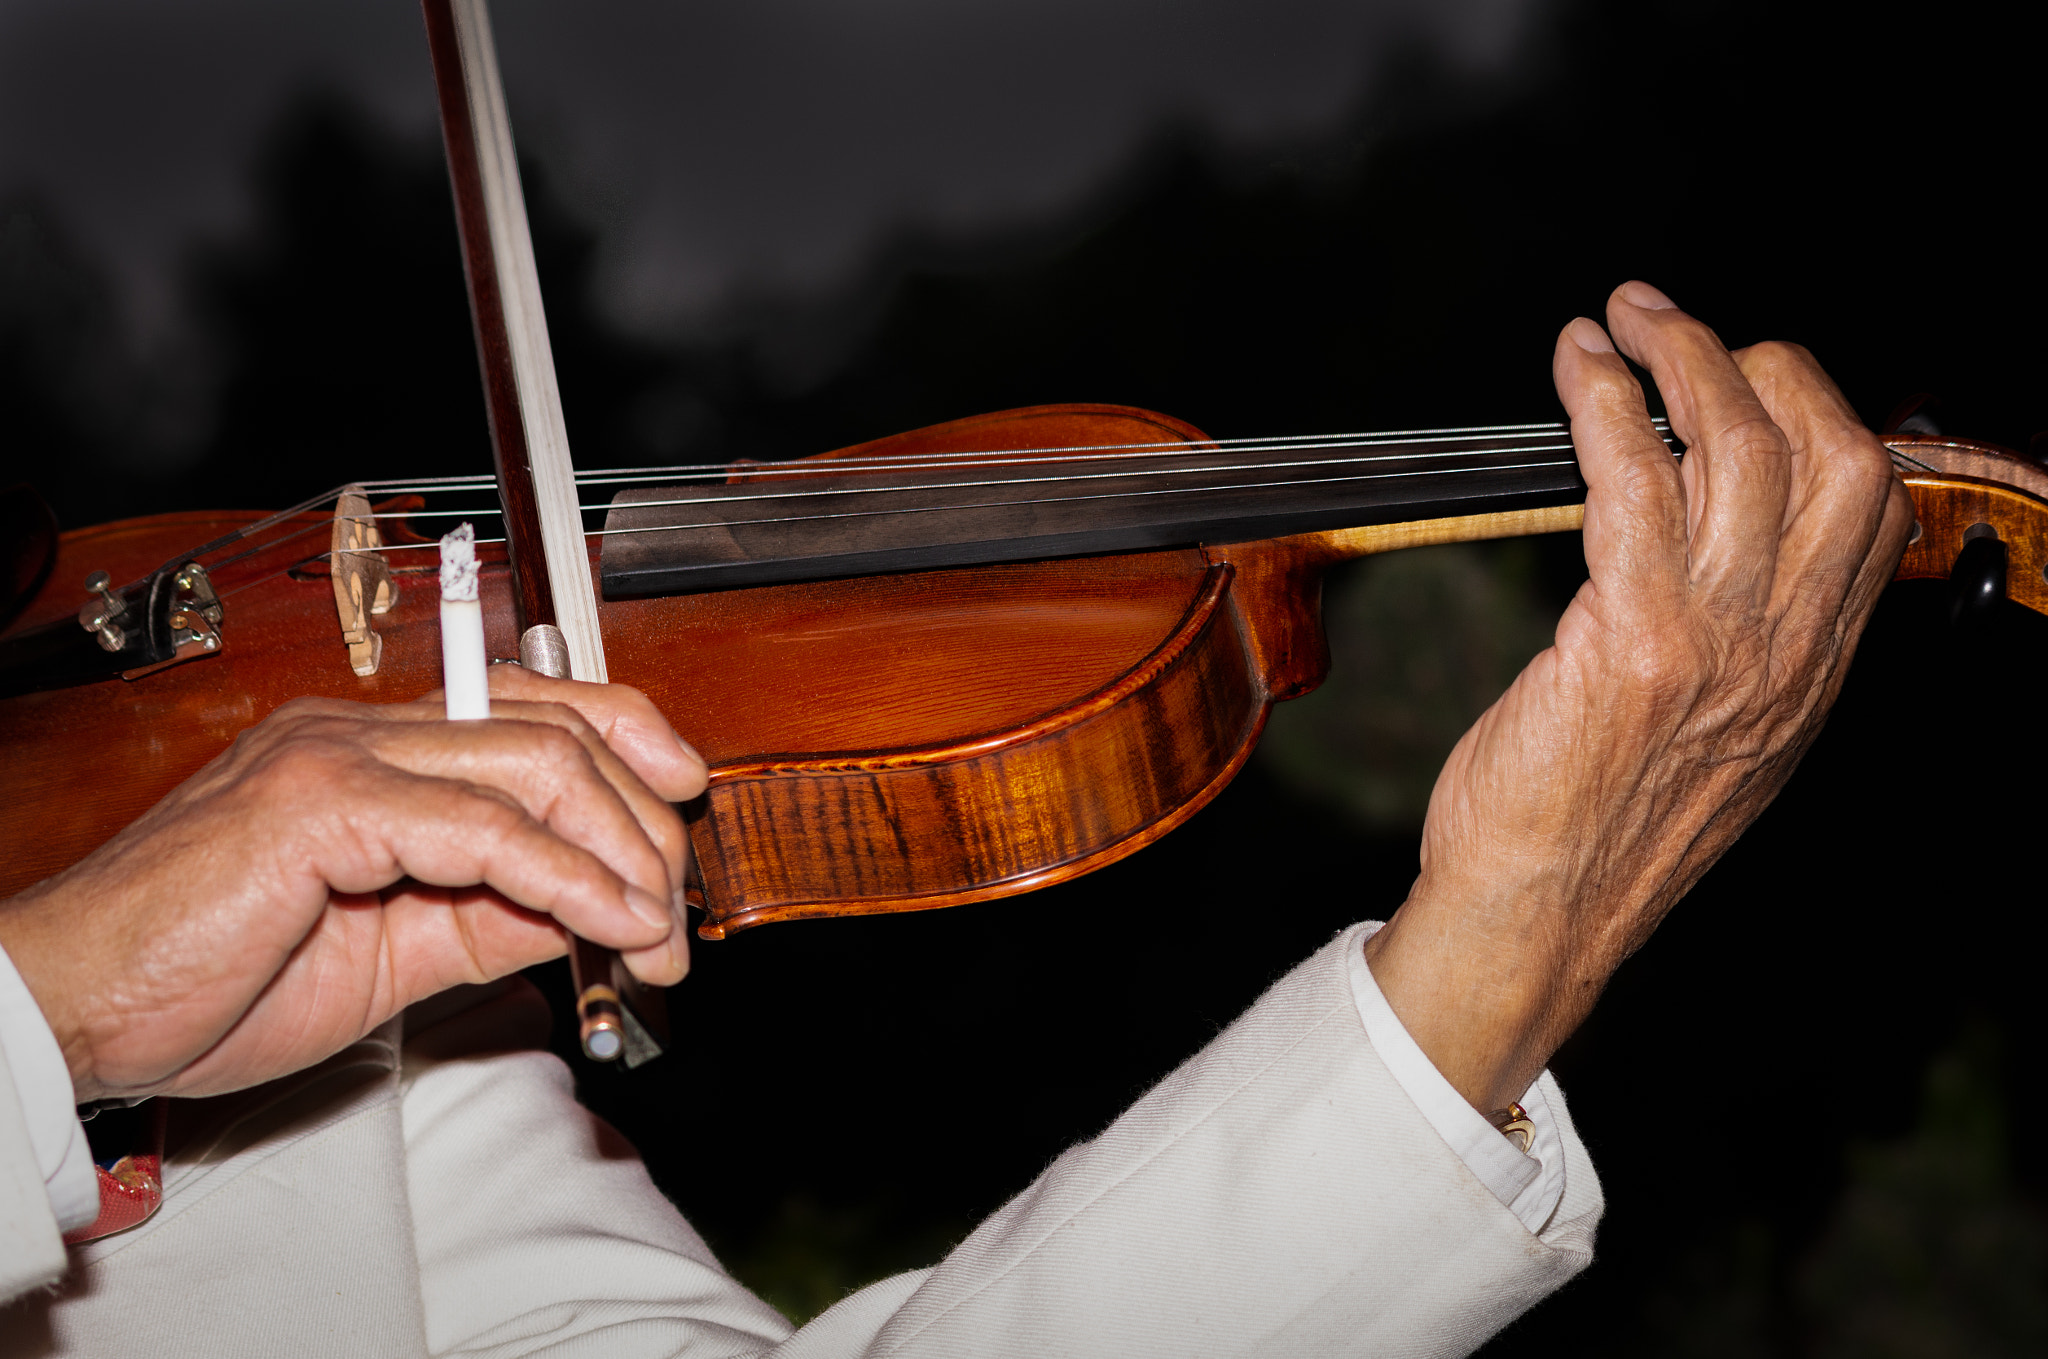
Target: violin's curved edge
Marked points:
1054	799
718	927
1938	455
1951	510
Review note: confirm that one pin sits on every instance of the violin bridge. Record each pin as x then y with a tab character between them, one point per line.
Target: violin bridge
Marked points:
362	579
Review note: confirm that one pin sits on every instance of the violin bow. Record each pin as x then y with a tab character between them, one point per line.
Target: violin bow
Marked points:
552	589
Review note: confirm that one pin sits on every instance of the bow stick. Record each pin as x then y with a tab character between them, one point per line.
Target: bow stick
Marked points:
551	582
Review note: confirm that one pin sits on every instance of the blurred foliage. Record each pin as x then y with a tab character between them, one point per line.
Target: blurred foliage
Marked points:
1719	1299
1933	1253
1421	643
1930	1249
807	1256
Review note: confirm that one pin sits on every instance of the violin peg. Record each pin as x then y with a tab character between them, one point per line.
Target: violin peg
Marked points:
1978	580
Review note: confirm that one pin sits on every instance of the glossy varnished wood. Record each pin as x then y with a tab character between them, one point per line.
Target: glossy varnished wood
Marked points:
80	763
1010	810
1958	485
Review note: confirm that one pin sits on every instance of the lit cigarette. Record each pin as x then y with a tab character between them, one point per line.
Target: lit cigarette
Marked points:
463	663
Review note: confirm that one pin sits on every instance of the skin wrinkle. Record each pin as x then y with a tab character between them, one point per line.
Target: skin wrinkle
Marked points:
317	838
1692	672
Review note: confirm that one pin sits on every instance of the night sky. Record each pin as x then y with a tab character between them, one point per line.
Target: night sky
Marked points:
719	146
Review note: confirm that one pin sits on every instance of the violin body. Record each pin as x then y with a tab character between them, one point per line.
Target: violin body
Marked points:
885	743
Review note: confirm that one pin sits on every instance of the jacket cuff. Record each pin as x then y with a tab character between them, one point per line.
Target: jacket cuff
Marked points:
40	1087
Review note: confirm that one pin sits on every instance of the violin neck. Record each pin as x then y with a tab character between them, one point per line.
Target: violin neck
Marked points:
797	524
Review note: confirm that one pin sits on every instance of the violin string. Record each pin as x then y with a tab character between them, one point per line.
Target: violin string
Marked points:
807	467
1499	439
1063	499
1110	476
992	504
246	531
1040	500
686	471
976	483
813	467
483	482
270	544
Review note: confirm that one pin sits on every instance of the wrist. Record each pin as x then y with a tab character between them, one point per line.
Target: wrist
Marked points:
1476	983
36	962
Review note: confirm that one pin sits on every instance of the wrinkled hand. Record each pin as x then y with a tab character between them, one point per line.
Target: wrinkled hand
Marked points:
342	860
1690	674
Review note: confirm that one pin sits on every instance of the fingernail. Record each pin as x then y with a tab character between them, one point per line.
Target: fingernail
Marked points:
1588	336
649	907
1640	294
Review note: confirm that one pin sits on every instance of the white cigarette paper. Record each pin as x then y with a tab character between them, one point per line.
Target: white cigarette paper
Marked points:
463	662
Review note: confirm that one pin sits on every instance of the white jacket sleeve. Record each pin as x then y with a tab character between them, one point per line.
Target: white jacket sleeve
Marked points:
284	1229
31	1248
537	1227
1279	1194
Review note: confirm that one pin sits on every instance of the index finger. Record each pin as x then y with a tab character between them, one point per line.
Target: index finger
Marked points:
1737	467
1635	504
625	717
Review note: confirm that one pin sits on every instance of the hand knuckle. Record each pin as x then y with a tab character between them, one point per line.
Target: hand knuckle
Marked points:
1748	434
298	713
1780	355
310	759
556	745
570	718
1666	666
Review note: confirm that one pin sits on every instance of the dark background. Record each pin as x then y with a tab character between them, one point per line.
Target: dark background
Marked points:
1811	1098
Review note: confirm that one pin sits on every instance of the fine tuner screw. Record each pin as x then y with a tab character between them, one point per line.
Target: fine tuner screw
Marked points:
98	619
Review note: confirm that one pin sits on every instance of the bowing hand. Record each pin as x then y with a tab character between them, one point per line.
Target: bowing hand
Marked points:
1725	598
341	861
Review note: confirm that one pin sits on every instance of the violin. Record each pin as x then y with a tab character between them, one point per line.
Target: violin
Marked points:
948	666
897	737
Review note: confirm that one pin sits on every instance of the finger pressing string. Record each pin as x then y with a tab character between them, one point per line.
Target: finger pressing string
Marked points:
1737	471
1634	500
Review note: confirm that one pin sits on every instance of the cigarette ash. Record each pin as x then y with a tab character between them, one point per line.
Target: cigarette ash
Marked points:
458	564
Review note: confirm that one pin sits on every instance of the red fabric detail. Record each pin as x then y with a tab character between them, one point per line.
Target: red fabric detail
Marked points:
128	1158
129	1192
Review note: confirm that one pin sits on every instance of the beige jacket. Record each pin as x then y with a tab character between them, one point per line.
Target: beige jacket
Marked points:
1277	1195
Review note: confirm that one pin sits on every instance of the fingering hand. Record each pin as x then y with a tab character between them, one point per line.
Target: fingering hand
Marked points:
1726	594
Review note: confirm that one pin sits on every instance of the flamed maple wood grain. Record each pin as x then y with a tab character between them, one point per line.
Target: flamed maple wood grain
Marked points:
913	829
1960	484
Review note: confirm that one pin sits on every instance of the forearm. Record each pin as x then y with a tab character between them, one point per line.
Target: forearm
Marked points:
1489	989
1692	670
